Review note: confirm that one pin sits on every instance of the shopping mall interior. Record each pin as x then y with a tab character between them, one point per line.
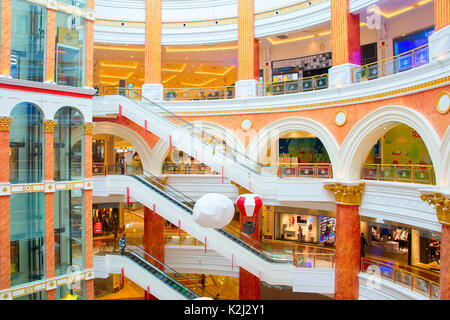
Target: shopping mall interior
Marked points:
225	150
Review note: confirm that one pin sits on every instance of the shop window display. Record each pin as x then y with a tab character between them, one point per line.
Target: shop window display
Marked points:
106	220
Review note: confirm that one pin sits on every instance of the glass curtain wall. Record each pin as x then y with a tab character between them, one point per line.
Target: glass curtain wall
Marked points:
28	40
70	49
69	145
76	3
26	144
69	232
78	288
27	237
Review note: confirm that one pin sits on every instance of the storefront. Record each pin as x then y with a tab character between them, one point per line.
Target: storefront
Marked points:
108	219
401	243
306	226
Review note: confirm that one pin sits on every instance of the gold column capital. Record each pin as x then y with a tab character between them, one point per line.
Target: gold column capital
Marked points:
5	123
442	204
89	127
346	194
49	126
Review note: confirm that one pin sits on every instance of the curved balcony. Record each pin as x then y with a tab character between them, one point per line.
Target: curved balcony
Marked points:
208	22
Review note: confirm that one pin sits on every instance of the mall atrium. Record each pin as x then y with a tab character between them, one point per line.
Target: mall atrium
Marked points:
247	150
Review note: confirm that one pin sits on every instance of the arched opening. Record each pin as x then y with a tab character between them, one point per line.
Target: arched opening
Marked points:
295	147
399	155
112	154
26	137
127	140
301	154
179	162
69	145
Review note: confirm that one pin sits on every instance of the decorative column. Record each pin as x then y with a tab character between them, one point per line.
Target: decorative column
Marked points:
348	240
442	204
345	38
153	88
154	234
89	262
50	55
49	129
5	259
5	38
249	284
439	42
89	62
248	50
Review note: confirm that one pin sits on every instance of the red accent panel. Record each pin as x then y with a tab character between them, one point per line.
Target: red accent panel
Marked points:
240	204
45	91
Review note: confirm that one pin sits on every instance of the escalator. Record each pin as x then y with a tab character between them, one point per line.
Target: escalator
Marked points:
164	273
253	246
270	264
189	138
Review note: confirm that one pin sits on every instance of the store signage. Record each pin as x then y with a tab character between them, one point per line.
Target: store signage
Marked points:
67	36
98	228
379	220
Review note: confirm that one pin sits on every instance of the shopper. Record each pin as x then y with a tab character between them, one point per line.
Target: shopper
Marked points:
363	245
203	281
123	244
122	165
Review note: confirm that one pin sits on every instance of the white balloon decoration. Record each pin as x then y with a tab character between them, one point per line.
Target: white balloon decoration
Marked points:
213	210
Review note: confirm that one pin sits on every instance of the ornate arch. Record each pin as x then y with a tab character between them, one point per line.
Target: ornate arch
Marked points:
276	129
131	136
362	137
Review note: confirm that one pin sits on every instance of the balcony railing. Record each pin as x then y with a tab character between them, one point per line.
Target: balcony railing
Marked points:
401	277
314	260
305	170
293	86
100	169
190	94
399	173
399	63
187	168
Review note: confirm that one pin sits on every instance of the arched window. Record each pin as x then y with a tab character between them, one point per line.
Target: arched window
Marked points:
69	145
26	144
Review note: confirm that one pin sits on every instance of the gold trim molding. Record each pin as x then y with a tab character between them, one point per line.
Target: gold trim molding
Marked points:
241	189
442	204
49	126
89	127
5	123
349	195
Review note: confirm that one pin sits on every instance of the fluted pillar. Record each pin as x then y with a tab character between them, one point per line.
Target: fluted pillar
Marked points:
49	129
345	43
88	236
5	267
152	87
439	42
441	14
89	61
248	50
5	38
442	205
348	240
50	45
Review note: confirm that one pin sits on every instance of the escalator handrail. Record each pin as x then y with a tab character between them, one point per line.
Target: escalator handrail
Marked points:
223	231
168	267
190	125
